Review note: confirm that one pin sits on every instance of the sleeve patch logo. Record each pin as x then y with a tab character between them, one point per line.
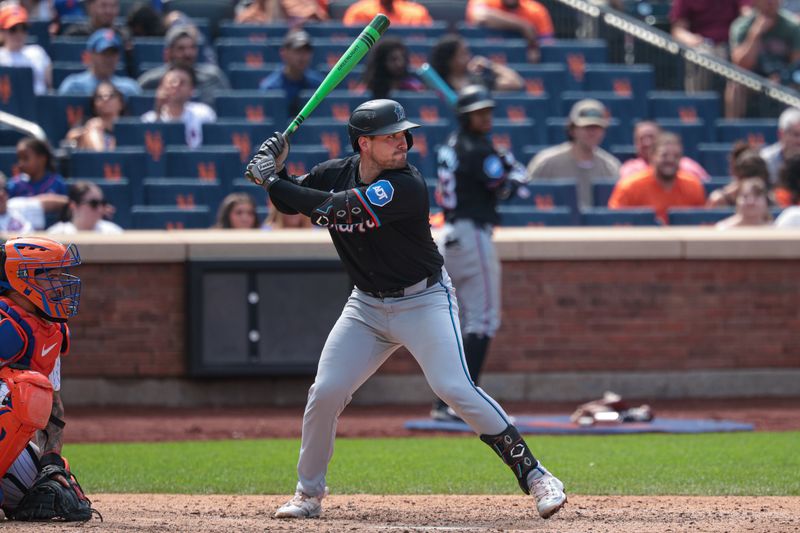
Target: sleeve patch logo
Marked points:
380	193
493	167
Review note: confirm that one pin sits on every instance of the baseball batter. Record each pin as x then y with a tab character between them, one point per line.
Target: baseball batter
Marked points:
375	206
472	177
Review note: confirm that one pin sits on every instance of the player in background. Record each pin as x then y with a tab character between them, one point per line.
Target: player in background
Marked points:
473	176
37	297
375	206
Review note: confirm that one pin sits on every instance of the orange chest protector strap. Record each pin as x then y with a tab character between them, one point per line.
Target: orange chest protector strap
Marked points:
26	400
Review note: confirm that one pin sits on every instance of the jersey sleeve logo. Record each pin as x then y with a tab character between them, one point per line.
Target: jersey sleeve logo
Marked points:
493	167
380	193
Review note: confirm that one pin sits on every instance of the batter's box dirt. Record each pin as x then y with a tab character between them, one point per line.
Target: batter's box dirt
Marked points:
357	513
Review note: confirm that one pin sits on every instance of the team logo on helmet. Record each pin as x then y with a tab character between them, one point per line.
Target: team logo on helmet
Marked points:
399	112
380	193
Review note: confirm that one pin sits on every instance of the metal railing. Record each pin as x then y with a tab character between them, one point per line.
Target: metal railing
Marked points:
22	125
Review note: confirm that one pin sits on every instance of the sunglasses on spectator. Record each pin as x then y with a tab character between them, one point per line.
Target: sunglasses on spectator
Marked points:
18	28
94	203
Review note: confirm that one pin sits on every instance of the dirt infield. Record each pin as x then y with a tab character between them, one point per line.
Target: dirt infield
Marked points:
357	513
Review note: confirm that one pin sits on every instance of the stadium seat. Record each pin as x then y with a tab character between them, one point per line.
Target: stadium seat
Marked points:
576	54
511	215
118	193
70	49
183	192
683	216
338	105
425	165
56	114
601	191
688	108
431	135
328	133
148	50
692	134
715	158
139	104
715	183
247	78
423	107
546	79
245	136
255	106
40	29
602	216
518	108
624	80
247	53
514	135
473	32
16	92
154	137
207	163
626	109
10	136
529	151
754	130
503	52
124	162
623	152
253	32
171	218
546	194
8	160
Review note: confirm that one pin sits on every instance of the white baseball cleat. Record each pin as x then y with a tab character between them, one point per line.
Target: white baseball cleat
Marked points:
301	506
548	491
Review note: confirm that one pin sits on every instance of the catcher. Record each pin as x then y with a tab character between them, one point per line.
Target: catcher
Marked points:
37	297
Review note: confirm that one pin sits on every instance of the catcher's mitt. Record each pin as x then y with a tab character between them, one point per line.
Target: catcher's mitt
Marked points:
49	499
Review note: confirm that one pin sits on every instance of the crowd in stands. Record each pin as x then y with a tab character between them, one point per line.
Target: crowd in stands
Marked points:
644	168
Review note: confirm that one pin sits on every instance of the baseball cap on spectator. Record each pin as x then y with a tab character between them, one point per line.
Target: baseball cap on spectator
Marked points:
11	15
103	40
297	39
178	31
589	112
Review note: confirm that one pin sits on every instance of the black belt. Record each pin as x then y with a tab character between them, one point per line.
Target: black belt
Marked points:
399	293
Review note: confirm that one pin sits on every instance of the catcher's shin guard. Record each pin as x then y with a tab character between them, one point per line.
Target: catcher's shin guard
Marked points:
511	448
26	400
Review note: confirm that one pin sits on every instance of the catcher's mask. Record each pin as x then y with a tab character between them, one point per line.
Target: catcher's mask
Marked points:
38	269
379	117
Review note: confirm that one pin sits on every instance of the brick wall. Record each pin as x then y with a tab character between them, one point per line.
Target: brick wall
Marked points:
557	316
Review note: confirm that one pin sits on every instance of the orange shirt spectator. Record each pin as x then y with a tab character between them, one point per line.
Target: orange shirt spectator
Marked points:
530	11
400	12
663	185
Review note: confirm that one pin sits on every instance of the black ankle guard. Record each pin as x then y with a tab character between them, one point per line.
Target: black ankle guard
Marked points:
511	448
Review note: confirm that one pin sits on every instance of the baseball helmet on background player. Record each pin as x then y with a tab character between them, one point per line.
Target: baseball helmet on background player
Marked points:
379	117
37	268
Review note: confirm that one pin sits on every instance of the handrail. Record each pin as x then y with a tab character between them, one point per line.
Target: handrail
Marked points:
25	126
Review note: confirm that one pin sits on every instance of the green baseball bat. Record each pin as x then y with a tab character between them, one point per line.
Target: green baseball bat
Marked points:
366	39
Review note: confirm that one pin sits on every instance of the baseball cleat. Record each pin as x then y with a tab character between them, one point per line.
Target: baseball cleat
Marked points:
548	491
301	506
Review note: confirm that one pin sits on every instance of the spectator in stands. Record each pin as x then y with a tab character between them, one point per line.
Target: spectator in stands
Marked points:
39	9
452	60
580	157
765	41
260	12
181	46
10	222
661	186
388	69
526	17
277	220
745	164
237	211
107	105
85	211
144	21
788	143
789	194
33	208
103	47
400	12
752	206
37	173
703	26
298	12
295	76
644	137
173	104
15	53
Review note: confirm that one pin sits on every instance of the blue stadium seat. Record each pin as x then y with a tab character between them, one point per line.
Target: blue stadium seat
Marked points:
207	163
124	162
255	106
148	50
692	134
683	216
425	165
172	218
547	80
715	183
183	192
473	32
327	52
601	191
602	216
715	158
253	32
546	194
514	50
623	152
617	132
423	107
118	193
431	135
57	114
245	52
139	104
626	109
576	54
755	130
624	80
8	160
69	49
337	31
154	137
245	136
338	105
687	107
529	151
511	215
10	136
247	78
328	133
16	92
518	108
40	29
514	135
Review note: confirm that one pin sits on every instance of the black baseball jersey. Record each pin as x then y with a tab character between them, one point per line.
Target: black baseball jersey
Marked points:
380	230
470	173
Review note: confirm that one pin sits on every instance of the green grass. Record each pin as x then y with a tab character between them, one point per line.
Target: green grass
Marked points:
707	464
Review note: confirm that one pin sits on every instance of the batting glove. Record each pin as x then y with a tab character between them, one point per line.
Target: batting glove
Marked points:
261	170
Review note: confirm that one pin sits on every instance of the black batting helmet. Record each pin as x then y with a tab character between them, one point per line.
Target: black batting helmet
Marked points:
472	98
379	117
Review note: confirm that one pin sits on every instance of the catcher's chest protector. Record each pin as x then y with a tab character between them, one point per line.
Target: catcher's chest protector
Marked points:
26	400
44	341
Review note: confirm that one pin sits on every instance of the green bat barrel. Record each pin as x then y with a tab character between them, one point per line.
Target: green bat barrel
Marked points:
366	40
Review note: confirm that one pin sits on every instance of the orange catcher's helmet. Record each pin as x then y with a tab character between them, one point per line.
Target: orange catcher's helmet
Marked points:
38	269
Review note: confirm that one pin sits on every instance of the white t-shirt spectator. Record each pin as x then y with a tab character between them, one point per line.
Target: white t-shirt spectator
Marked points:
27	208
789	218
32	56
195	114
13	224
68	228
